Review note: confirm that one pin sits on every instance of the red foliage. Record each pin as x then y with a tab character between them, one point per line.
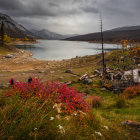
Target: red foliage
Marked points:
132	91
60	93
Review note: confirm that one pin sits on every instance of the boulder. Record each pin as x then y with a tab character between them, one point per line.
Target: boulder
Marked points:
4	86
131	124
88	81
68	71
9	56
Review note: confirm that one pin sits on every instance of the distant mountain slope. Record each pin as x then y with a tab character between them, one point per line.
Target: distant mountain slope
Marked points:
126	28
13	29
117	34
46	34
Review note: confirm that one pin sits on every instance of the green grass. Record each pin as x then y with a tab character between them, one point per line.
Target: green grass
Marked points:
19	119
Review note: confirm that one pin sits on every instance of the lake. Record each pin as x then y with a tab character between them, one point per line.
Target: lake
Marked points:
58	50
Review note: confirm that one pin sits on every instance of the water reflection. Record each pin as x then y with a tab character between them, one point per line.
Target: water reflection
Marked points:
58	50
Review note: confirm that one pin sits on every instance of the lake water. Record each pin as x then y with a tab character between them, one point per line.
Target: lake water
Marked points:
58	50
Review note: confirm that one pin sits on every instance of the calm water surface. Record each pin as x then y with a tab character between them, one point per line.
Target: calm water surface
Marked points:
58	50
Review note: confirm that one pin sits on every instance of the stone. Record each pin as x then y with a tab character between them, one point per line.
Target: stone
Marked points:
52	72
68	71
88	81
103	89
41	72
131	124
61	77
4	86
9	56
68	82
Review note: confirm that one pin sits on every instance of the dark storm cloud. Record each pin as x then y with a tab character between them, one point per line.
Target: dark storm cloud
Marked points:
73	16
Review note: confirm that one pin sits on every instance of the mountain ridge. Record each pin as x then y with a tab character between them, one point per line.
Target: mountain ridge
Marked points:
13	29
46	34
113	35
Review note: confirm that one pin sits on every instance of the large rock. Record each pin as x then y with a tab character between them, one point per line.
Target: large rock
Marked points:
68	71
9	56
4	86
88	81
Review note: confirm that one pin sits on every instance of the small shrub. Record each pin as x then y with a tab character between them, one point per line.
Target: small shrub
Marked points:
59	93
132	91
94	101
121	102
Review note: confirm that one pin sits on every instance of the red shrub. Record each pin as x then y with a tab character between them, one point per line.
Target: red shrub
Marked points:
60	93
132	91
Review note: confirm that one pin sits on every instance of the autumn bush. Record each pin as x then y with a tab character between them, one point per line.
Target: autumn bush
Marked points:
94	101
59	93
121	102
132	91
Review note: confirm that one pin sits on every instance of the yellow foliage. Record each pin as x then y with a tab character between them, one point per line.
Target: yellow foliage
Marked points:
7	39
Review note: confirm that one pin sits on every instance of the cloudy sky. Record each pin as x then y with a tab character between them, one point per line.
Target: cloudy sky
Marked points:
72	16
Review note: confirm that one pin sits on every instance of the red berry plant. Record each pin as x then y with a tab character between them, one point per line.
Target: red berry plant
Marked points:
59	92
132	91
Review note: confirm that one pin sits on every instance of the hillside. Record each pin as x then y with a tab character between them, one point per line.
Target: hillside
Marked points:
117	34
46	34
13	29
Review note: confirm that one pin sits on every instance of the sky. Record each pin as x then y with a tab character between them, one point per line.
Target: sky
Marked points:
72	16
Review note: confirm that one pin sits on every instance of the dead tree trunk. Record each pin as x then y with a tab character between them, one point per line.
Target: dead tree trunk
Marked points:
103	58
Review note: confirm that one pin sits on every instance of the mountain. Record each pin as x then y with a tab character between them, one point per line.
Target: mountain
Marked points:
126	28
46	34
13	29
117	34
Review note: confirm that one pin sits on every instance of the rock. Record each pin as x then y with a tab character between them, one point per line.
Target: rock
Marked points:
68	71
3	86
9	56
103	89
88	81
61	77
52	72
131	124
41	72
68	82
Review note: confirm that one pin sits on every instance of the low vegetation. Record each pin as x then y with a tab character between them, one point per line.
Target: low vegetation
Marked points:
37	109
